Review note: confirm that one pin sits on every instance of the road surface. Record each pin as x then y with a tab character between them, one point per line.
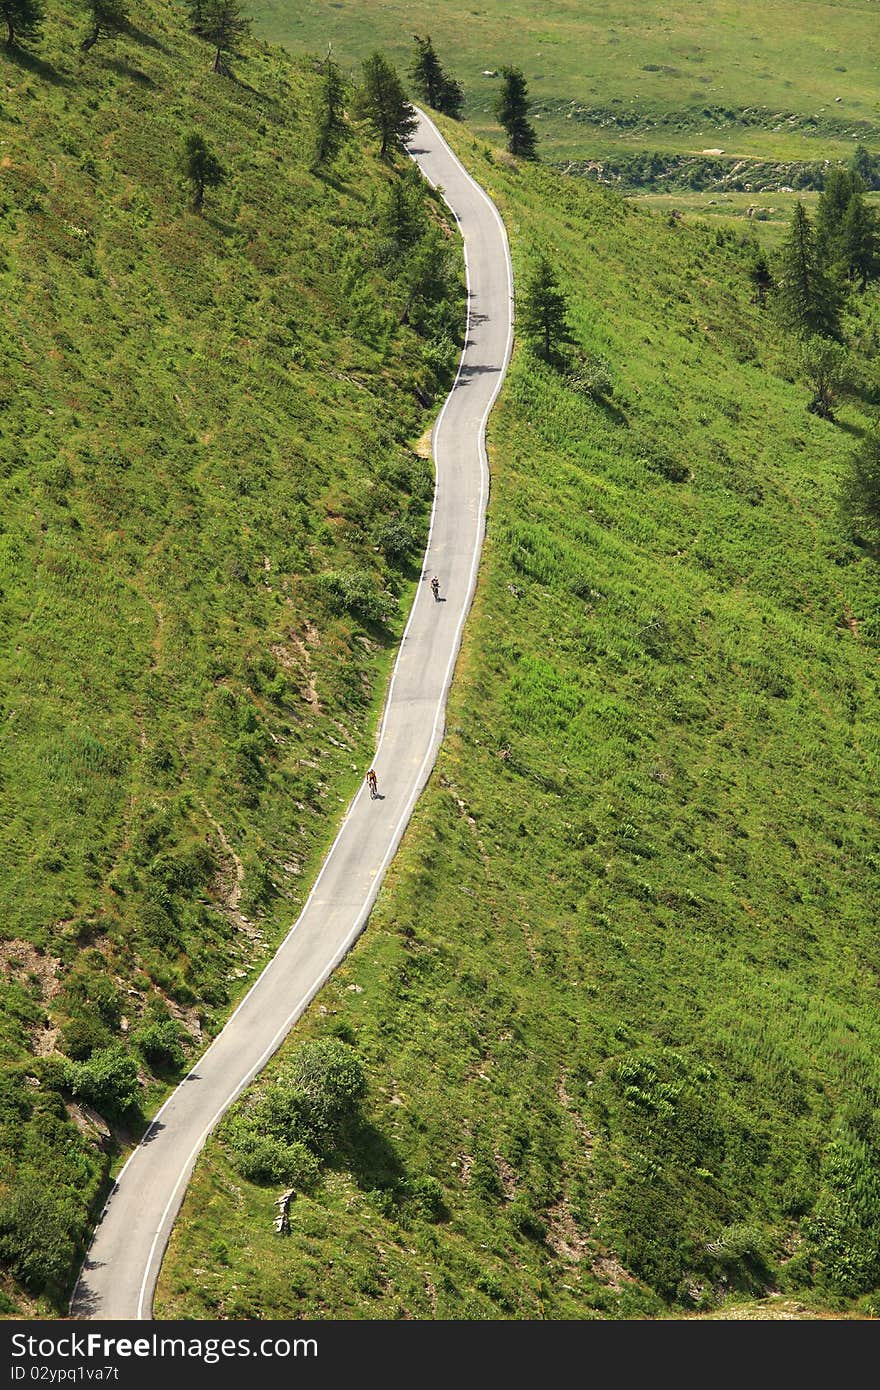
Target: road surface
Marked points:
119	1275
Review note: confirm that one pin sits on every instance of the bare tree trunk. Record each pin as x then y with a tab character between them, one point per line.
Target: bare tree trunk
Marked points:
91	39
218	65
10	38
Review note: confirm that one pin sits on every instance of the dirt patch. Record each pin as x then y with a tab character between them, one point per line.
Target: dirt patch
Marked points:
610	1271
230	880
564	1236
423	446
507	1176
21	961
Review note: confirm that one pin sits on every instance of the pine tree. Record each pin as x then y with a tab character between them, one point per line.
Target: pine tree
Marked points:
512	110
860	242
840	185
807	298
402	221
433	84
382	102
427	72
222	25
107	17
196	13
202	168
23	20
330	130
543	311
867	166
451	97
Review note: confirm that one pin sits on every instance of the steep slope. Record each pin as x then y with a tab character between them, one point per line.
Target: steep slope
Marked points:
615	1010
211	512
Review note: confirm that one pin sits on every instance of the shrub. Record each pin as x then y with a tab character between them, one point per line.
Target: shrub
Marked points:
591	376
824	365
36	1240
160	1045
396	539
353	591
108	1080
262	1159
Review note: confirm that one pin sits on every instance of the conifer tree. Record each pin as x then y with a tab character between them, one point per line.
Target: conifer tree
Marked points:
382	103
329	130
761	276
866	165
107	17
543	311
202	168
807	298
433	84
196	11
512	110
23	20
222	25
427	72
840	185
860	241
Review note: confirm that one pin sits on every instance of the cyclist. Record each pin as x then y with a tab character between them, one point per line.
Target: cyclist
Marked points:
435	585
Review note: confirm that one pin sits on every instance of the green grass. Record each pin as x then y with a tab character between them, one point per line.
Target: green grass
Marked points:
768	221
202	419
609	79
617	996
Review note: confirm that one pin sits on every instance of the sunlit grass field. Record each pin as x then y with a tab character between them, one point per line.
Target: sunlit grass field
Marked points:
616	1002
793	80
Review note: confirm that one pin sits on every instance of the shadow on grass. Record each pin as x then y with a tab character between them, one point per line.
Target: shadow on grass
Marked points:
29	62
370	1158
124	69
146	40
857	431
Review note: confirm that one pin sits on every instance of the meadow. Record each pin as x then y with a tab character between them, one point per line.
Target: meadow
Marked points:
615	1004
212	517
617	81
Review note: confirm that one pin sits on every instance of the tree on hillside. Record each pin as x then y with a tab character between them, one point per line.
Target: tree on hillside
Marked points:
512	110
860	242
807	298
329	129
433	84
202	168
867	166
222	26
841	184
761	276
824	364
107	17
402	219
860	491
543	311
23	20
196	10
382	103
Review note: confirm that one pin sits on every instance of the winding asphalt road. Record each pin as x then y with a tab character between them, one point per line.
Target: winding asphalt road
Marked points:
119	1275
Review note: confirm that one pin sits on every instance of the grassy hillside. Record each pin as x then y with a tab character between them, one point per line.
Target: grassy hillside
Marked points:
211	510
617	81
615	1006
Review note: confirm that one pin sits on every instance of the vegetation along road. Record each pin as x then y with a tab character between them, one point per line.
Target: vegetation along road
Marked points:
120	1271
